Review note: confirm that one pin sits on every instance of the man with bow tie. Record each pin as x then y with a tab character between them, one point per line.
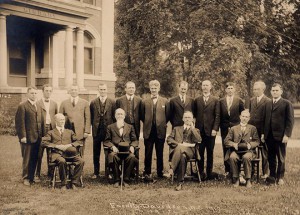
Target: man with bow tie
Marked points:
241	141
179	104
231	107
28	123
155	116
257	108
117	133
182	142
131	104
102	114
64	148
207	114
279	122
77	113
49	109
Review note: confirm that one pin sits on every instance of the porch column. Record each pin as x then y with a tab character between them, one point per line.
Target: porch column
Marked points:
69	57
55	60
3	52
80	59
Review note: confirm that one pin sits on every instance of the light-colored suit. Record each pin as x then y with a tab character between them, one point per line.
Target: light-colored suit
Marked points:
236	135
78	118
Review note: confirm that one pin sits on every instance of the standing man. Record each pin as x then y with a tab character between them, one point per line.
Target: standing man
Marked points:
49	109
279	122
29	129
131	104
180	104
77	113
257	108
102	114
155	112
231	107
207	114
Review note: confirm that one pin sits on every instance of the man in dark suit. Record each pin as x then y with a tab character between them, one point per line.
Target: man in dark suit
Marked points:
131	104
63	143
117	133
257	108
231	107
28	123
279	122
49	109
207	114
102	114
155	115
241	141
77	113
182	142
180	104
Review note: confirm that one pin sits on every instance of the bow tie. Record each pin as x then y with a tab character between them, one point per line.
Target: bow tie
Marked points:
47	100
154	97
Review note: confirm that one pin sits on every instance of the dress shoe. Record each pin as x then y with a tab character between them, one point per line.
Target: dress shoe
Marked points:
63	187
270	180
242	180
126	184
116	185
248	183
26	182
94	176
280	182
236	182
37	179
264	176
74	187
179	187
169	174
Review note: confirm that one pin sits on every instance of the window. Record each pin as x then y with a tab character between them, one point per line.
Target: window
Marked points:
88	54
18	55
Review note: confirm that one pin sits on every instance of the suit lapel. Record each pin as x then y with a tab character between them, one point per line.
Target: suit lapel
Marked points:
126	129
178	100
117	129
31	107
57	133
208	101
42	105
134	102
225	103
277	104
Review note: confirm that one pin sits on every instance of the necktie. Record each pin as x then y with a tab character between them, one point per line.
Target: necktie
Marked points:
258	100
205	99
182	99
121	129
274	102
61	132
73	102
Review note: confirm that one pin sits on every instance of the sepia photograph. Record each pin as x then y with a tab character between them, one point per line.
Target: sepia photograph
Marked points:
149	107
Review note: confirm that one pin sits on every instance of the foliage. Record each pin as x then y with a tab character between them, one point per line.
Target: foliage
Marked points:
241	41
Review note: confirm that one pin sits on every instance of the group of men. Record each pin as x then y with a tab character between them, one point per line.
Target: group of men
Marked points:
195	123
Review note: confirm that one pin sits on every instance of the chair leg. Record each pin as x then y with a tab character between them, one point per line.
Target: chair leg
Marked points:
53	180
198	172
137	171
257	173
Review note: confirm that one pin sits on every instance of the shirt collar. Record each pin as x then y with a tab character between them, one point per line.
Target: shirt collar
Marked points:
60	128
103	98
260	97
243	125
186	126
44	100
76	98
32	102
129	96
182	96
276	99
206	95
156	97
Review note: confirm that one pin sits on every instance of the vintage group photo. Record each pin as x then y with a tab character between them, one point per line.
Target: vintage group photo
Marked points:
149	107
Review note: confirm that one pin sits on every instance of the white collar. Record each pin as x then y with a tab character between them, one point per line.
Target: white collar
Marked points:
32	102
186	127
276	99
60	128
259	97
76	98
206	95
243	125
129	97
153	96
103	97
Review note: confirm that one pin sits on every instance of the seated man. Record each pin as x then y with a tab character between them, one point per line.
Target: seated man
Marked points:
182	143
241	141
63	143
117	134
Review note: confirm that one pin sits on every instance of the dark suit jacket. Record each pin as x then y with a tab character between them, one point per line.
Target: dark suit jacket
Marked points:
258	112
53	138
279	118
122	103
207	116
53	109
235	135
176	138
78	117
177	109
236	108
109	114
113	137
162	116
28	122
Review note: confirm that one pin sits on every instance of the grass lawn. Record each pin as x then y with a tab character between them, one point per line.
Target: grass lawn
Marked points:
98	197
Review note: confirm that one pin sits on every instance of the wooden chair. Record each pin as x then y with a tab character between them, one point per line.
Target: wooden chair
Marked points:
54	172
108	171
